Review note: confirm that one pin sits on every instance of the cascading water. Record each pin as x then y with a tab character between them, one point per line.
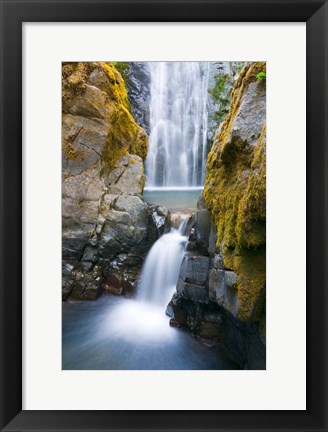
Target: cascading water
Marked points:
161	269
178	123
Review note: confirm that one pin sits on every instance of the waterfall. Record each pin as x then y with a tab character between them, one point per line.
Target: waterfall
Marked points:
160	272
178	123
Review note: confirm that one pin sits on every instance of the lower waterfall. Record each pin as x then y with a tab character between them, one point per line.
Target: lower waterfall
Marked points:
160	272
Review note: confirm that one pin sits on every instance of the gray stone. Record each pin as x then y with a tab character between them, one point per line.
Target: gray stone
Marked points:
196	293
202	226
138	89
212	247
161	218
230	278
194	268
249	121
127	176
222	291
201	202
218	262
90	103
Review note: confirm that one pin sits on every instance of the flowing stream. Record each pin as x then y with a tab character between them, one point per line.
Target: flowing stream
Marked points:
161	269
117	333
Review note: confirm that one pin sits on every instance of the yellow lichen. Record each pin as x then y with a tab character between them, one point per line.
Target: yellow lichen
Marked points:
124	134
235	194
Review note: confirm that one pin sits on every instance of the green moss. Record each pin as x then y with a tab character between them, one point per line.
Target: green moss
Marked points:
250	266
235	194
251	226
122	68
221	96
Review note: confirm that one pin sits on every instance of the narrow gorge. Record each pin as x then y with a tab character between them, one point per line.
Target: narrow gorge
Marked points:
163	215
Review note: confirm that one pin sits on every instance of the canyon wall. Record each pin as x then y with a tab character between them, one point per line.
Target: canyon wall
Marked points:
221	288
106	226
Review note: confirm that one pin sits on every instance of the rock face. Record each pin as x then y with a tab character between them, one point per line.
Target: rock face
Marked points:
138	88
235	191
221	80
107	228
221	288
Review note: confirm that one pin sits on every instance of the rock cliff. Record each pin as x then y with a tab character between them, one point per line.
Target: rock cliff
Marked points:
107	228
138	88
221	288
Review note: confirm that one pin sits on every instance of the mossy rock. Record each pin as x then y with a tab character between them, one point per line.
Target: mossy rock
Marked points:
96	91
235	189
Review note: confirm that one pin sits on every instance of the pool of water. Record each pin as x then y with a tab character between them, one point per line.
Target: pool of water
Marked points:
173	198
116	333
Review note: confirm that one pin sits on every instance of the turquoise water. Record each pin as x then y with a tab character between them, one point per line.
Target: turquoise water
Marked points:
173	198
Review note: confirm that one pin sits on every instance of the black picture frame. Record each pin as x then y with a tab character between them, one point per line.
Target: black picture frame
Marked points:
13	14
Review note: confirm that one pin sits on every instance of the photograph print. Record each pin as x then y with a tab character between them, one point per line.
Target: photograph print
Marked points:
163	215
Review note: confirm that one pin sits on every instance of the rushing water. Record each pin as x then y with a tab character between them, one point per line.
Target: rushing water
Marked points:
161	269
178	123
113	333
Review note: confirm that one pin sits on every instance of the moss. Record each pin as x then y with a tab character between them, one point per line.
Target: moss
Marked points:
74	79
124	134
250	266
122	68
235	194
246	76
251	227
117	84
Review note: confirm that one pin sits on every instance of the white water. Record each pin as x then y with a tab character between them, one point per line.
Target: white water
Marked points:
144	318
178	123
160	272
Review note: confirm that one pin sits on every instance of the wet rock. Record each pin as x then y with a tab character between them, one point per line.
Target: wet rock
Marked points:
201	202
199	229
138	88
161	218
222	290
212	247
218	262
125	227
196	293
194	268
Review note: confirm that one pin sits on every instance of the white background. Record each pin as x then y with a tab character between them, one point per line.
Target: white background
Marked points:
282	385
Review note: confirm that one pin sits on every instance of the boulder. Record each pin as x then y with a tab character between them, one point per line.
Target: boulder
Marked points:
102	159
127	177
193	292
222	290
194	268
201	205
218	262
161	218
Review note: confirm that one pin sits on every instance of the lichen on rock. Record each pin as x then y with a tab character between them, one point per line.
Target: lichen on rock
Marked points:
96	91
235	190
107	228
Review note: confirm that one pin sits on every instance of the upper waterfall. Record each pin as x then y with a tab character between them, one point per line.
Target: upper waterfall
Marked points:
178	123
